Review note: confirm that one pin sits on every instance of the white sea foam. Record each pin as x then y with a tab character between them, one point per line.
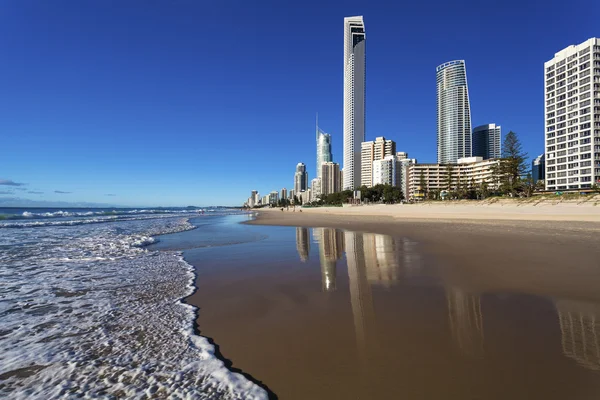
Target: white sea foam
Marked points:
87	311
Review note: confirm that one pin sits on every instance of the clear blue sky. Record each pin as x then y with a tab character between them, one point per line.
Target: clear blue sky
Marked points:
178	102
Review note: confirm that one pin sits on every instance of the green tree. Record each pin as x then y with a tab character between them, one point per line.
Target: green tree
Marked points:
512	165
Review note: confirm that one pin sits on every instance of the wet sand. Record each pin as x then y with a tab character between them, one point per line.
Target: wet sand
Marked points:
416	310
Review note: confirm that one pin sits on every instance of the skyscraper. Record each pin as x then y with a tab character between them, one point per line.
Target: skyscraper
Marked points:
486	141
330	178
354	98
538	168
300	179
373	151
453	112
572	114
323	149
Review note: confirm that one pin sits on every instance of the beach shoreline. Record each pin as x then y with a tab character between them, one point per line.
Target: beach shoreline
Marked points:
586	210
520	274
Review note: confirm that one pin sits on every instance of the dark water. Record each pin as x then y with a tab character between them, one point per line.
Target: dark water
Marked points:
325	313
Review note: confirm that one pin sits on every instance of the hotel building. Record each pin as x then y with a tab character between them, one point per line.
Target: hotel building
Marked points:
572	117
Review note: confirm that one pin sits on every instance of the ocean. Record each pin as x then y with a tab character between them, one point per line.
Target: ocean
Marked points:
88	310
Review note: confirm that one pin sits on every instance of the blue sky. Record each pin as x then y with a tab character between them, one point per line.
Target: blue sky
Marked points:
187	102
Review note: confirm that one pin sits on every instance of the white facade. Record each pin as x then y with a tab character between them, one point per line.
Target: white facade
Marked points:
572	117
467	171
384	171
354	98
453	112
315	187
372	151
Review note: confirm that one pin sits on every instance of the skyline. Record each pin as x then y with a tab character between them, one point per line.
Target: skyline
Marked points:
144	118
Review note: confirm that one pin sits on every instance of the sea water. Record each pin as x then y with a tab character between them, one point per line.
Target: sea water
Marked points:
88	310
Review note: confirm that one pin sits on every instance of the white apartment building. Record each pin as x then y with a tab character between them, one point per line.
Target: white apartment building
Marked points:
384	171
467	171
354	98
572	117
315	186
372	151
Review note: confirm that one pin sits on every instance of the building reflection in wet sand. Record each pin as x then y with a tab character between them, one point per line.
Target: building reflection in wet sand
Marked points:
580	332
466	320
302	243
331	249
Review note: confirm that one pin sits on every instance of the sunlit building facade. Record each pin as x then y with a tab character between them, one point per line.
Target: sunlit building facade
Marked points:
453	113
354	98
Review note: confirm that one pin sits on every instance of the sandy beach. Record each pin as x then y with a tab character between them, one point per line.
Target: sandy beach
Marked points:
532	209
369	306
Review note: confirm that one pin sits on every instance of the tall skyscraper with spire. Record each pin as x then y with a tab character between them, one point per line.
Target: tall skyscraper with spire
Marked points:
323	148
453	113
354	98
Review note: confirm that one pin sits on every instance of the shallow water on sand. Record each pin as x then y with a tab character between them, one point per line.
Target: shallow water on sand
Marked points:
324	313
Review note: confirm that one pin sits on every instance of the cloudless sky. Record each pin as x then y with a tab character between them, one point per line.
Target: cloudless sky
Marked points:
189	102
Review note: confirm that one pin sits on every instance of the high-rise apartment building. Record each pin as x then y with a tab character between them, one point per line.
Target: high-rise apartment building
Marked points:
572	117
300	179
330	178
372	151
487	141
316	188
323	149
453	112
538	168
384	171
354	98
284	194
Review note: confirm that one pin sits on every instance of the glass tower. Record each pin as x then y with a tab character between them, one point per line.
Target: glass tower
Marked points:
323	149
453	113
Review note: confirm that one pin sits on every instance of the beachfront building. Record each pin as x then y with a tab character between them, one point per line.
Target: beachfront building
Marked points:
487	141
330	178
305	196
264	200
453	113
402	165
572	123
371	151
300	178
354	98
538	168
316	188
284	194
323	149
291	195
255	196
273	198
384	171
444	177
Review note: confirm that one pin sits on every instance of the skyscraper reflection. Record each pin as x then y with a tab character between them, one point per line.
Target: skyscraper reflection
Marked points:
331	249
466	320
302	243
580	332
360	290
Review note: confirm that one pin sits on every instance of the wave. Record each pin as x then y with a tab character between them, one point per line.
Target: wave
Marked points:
92	312
66	214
